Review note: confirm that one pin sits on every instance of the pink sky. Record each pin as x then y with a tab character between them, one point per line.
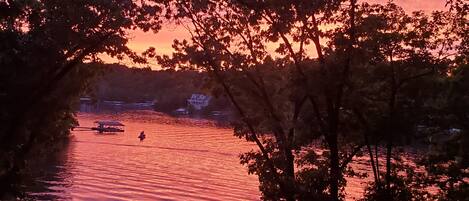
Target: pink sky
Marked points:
163	40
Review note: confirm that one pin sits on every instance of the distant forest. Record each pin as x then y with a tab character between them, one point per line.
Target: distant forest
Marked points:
169	89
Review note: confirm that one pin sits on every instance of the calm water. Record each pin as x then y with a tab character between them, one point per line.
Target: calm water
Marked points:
181	159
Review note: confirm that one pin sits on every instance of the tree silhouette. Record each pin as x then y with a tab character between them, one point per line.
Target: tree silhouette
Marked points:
43	45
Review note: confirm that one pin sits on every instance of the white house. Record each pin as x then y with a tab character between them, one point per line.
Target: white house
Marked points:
198	101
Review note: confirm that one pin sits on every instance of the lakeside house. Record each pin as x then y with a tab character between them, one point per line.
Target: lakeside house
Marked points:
198	101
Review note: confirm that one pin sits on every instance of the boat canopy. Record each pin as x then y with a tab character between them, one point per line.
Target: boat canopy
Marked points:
180	110
109	123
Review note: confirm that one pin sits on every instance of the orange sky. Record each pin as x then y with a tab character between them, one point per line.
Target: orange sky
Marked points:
163	40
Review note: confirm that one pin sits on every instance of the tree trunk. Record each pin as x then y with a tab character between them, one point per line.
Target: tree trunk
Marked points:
335	167
388	163
377	161
390	124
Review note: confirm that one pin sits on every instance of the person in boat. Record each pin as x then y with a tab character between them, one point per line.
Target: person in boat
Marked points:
141	136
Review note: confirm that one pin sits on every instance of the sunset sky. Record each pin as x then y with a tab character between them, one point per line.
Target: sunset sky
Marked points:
163	40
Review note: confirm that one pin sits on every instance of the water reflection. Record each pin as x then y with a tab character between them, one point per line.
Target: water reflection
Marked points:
181	159
52	181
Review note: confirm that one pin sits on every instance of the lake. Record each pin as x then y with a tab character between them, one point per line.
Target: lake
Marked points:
180	159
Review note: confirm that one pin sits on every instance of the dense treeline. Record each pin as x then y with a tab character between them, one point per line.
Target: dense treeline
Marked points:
167	89
347	78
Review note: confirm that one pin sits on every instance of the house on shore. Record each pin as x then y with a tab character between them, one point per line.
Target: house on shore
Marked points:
198	101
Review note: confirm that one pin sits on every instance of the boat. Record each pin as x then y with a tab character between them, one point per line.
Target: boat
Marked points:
108	126
181	111
216	113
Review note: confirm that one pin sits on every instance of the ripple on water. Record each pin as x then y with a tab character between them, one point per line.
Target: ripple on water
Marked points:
179	160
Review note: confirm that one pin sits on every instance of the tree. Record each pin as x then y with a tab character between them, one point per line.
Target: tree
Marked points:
447	111
43	45
295	97
365	87
409	55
